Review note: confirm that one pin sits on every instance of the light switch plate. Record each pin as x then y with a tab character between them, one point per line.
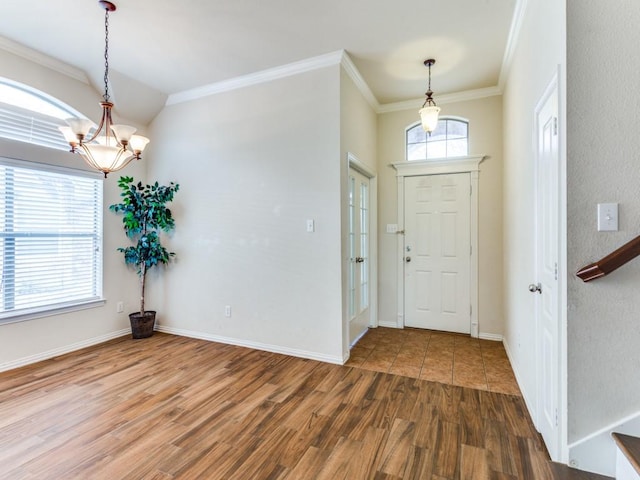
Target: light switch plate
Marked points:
607	217
392	228
311	226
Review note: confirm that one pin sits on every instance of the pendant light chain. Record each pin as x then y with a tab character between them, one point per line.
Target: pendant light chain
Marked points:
429	100
106	55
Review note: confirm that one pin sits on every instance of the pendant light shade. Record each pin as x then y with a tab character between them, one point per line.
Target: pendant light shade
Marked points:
429	117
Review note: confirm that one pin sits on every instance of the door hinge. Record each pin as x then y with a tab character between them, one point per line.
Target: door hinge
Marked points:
470	310
556	412
555	126
470	190
555	271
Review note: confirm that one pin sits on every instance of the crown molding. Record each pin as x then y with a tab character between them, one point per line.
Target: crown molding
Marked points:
353	72
42	59
340	57
295	68
512	42
442	99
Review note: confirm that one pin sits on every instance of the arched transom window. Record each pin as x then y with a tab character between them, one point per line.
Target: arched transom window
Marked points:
28	115
449	139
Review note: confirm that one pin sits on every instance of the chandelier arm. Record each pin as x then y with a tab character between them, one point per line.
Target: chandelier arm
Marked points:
105	122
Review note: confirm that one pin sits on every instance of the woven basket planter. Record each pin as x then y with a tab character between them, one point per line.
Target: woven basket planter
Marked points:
142	325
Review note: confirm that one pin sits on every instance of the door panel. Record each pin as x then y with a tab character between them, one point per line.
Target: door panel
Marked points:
547	249
437	252
359	259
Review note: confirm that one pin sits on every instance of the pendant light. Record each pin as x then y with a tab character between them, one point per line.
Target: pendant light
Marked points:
429	111
107	147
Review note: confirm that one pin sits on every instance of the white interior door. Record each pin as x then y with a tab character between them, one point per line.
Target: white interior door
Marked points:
359	254
437	256
546	287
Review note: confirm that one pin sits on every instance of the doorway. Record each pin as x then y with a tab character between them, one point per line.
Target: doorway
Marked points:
546	287
359	254
361	250
447	170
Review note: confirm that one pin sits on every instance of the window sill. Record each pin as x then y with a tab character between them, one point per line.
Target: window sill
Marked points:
48	312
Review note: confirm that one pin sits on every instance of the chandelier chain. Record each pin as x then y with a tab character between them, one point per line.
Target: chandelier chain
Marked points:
106	55
429	100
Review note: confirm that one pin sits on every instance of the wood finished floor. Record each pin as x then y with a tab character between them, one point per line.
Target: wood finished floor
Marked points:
177	408
436	356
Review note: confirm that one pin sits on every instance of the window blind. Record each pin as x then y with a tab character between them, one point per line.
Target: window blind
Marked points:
32	127
51	239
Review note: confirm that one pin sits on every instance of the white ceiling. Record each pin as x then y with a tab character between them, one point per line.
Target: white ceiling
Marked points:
170	47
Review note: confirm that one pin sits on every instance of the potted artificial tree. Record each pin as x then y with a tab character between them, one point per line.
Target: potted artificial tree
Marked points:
144	215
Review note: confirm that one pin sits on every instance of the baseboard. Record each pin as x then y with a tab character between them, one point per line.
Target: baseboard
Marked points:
56	352
388	324
255	345
597	452
494	337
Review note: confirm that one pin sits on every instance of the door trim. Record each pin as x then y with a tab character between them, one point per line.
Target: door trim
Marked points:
354	163
469	164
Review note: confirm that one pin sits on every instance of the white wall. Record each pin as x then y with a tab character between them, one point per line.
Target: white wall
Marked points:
253	165
485	137
32	340
539	52
603	144
358	130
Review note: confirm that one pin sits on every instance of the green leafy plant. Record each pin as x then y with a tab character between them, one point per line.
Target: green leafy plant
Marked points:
144	215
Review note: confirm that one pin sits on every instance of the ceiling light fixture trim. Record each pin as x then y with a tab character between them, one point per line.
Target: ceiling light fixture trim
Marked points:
107	147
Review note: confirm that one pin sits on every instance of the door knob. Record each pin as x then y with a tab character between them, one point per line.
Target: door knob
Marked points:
407	259
359	259
535	287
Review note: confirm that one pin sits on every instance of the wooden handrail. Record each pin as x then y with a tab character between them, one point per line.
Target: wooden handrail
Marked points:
614	260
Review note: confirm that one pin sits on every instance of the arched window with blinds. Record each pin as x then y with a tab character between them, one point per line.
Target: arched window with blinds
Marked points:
31	116
50	217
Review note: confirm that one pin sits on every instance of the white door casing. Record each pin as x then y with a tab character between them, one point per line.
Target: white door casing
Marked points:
437	252
546	287
356	325
404	170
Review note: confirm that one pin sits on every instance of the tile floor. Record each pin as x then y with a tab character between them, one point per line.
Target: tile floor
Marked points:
437	356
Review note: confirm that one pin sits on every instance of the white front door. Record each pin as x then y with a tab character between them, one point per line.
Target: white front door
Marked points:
437	252
546	286
359	258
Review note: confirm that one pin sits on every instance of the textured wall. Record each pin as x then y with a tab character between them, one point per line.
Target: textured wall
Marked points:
603	144
536	61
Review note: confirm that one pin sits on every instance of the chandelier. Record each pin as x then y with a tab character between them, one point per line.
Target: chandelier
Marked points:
429	111
107	147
